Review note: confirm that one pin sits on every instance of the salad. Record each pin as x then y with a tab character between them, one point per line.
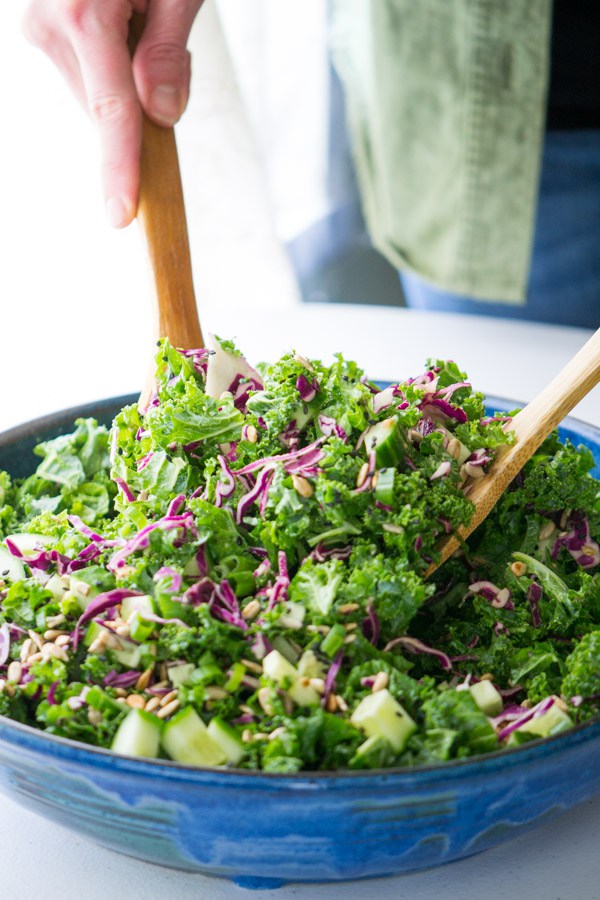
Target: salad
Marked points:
235	576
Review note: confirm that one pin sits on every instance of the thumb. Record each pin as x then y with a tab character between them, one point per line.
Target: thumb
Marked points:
161	65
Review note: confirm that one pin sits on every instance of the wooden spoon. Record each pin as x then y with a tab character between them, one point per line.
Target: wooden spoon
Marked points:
161	216
531	427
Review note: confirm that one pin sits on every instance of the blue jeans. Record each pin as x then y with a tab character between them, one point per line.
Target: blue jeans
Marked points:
564	280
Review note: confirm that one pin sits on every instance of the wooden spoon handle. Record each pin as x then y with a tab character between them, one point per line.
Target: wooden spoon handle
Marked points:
531	426
161	215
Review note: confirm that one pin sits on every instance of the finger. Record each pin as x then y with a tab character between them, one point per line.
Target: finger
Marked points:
114	106
161	63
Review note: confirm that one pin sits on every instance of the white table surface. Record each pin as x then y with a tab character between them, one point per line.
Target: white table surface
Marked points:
558	861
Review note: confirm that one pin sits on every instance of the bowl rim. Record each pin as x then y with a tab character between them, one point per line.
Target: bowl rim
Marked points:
507	757
502	758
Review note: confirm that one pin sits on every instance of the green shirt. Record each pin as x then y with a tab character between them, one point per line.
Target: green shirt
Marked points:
446	105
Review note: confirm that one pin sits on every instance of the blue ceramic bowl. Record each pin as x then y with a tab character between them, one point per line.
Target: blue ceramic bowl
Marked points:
263	830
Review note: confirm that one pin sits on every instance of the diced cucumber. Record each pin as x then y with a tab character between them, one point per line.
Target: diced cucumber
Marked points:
387	441
282	672
133	610
97	577
224	366
138	734
302	415
179	675
11	567
384	489
310	666
520	737
83	592
277	667
303	694
56	586
140	629
128	654
130	605
186	739
552	722
228	740
369	745
380	715
93	631
487	697
374	753
31	544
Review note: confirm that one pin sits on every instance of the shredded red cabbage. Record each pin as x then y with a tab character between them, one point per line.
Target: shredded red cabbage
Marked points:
538	710
499	598
332	672
308	390
413	645
122	680
534	595
370	625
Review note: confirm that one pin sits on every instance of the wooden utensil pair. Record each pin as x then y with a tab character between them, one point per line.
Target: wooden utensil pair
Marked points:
161	215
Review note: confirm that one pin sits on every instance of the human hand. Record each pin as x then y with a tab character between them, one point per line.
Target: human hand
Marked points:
87	40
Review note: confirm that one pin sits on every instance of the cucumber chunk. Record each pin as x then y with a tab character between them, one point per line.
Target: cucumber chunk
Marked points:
93	631
130	605
487	698
551	722
303	694
310	666
277	667
282	672
140	629
128	654
82	592
380	715
387	441
138	735
384	490
56	587
11	567
228	740
186	739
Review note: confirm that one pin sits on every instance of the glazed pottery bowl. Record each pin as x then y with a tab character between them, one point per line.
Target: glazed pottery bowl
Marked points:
263	830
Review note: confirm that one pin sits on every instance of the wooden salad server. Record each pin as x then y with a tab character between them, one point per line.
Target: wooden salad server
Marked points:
531	426
163	224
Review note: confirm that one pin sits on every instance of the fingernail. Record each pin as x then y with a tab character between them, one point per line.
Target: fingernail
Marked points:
116	212
165	104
